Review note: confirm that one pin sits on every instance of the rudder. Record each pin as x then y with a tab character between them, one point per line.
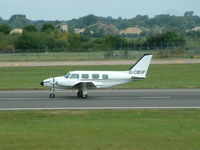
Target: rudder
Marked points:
140	68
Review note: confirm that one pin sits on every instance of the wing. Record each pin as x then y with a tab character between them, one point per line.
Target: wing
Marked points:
90	85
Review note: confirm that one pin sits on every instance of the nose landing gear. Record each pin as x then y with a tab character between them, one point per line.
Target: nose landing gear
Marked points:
52	95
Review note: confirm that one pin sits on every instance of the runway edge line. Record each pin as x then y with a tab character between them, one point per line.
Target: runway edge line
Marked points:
98	108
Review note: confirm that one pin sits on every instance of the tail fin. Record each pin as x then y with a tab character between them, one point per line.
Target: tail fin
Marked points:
140	68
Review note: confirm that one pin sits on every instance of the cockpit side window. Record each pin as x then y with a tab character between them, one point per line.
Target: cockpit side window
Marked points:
67	75
74	76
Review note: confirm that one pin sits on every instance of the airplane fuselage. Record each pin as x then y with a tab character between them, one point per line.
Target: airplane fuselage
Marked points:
102	79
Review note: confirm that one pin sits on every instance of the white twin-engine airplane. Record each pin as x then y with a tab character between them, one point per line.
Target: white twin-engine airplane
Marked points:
83	80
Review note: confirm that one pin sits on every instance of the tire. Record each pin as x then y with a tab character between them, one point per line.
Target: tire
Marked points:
79	94
52	95
84	96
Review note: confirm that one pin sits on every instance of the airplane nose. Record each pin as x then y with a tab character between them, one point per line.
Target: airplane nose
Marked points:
42	83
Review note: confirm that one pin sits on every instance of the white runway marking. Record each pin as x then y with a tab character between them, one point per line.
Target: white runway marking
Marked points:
103	91
24	98
58	98
98	108
166	97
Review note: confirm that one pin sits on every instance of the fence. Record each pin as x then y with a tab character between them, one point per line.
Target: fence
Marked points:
109	55
123	51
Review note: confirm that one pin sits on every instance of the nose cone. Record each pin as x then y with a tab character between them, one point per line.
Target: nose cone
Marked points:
42	83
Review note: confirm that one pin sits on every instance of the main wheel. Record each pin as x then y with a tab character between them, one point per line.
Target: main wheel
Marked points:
84	96
52	95
79	94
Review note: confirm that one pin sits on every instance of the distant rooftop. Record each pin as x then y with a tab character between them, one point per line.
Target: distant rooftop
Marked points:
131	30
16	31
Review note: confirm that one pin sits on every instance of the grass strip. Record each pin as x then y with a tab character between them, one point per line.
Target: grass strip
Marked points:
159	76
100	129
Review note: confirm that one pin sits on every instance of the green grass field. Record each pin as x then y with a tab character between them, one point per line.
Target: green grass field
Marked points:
71	56
100	130
159	76
94	55
59	56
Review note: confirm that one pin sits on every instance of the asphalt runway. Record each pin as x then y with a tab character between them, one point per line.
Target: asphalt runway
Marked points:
101	99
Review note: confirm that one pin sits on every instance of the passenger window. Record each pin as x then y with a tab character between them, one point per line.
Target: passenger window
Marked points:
95	76
74	76
85	76
104	76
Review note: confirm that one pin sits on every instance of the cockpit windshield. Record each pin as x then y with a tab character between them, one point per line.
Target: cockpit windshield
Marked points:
67	75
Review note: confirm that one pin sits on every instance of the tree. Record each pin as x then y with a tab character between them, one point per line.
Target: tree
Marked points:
114	41
31	28
47	27
189	13
74	41
165	39
1	20
30	41
5	29
56	40
194	34
18	21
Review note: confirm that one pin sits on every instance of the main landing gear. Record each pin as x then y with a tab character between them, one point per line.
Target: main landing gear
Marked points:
52	95
82	91
82	94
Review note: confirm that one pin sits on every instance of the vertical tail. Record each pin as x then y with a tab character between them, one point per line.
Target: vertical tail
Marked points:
140	68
